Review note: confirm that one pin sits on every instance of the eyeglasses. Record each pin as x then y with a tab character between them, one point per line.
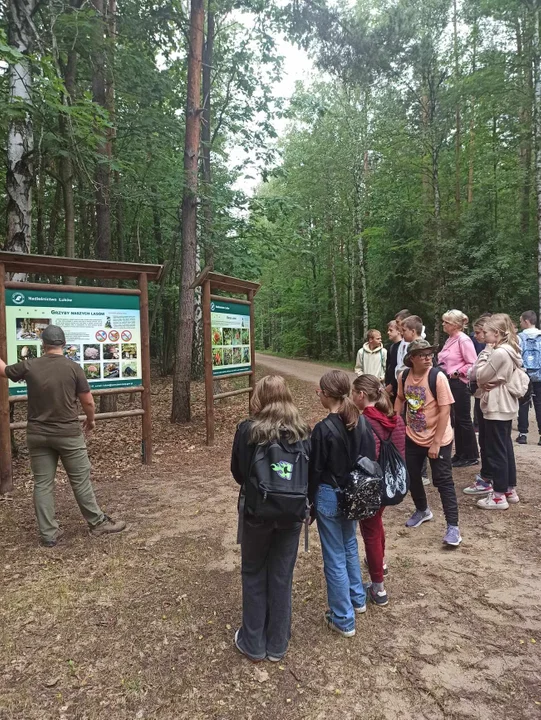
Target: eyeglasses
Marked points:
425	355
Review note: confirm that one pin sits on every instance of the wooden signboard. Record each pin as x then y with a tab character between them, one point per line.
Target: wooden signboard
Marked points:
229	342
107	333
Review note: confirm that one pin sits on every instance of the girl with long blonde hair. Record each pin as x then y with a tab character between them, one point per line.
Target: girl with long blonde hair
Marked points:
493	373
268	546
337	442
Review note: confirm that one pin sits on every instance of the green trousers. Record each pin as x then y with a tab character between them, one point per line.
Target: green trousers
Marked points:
44	451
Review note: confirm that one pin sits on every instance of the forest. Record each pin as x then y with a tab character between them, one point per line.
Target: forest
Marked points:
409	173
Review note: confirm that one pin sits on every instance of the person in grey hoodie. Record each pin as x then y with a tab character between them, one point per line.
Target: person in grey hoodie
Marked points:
499	377
530	345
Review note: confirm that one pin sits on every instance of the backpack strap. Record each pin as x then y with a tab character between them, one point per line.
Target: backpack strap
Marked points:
432	380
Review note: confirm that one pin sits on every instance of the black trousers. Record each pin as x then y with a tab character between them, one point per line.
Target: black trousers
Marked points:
269	551
442	478
465	441
523	411
486	470
500	454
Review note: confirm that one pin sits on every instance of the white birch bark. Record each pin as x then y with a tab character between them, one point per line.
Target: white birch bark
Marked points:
20	140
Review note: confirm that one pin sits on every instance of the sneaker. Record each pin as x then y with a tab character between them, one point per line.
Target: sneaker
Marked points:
491	502
378	598
426	480
512	497
419	517
273	658
522	439
237	645
107	527
360	610
330	624
480	487
54	541
452	536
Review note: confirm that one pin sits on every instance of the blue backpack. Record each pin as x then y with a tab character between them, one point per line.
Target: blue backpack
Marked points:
531	355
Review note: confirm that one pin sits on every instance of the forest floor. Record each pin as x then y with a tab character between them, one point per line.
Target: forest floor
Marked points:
140	626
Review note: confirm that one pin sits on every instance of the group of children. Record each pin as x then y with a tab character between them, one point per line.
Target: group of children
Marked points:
405	399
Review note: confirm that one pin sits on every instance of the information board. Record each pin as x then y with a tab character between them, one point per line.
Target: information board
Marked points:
103	333
230	323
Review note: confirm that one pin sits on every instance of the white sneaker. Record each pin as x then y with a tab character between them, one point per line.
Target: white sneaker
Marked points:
491	502
360	610
512	497
332	626
426	480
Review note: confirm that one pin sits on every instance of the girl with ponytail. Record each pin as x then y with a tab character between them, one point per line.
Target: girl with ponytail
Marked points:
375	404
337	442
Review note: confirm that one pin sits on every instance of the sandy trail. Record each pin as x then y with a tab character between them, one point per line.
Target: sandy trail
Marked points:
301	369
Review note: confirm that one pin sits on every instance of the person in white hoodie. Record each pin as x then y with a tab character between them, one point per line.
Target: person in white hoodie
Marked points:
372	357
530	345
498	375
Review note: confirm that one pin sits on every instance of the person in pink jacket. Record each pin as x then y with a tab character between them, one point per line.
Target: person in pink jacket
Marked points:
375	404
456	359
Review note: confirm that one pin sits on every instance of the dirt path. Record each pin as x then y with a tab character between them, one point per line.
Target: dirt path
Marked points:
301	369
140	627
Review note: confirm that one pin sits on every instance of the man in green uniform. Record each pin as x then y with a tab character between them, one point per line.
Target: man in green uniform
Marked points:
53	384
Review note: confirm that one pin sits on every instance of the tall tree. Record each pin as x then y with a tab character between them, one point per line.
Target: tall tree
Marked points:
181	406
20	141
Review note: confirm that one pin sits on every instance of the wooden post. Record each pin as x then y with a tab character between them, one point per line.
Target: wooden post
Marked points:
6	473
251	295
209	384
145	363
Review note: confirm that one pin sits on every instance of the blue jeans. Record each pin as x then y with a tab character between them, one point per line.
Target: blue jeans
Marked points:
340	559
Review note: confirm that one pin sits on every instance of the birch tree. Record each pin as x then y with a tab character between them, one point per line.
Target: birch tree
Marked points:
20	141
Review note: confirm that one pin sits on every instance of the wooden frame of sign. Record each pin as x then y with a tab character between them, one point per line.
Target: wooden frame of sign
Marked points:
73	267
211	281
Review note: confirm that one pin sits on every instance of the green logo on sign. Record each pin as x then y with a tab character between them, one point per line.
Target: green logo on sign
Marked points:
18	298
284	469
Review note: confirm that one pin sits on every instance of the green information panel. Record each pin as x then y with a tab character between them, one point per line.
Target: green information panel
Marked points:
230	322
103	333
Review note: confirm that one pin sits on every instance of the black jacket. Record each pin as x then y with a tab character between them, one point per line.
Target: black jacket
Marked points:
390	368
243	452
328	455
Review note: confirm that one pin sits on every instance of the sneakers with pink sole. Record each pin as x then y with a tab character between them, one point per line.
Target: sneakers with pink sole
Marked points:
512	497
493	502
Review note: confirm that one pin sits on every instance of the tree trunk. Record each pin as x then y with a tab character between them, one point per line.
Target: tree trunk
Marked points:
438	250
181	407
537	106
208	58
157	224
335	305
53	219
457	113
40	212
103	172
103	95
471	141
20	140
66	166
525	117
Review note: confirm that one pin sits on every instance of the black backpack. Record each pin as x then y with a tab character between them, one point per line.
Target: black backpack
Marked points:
395	481
277	485
432	379
360	498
